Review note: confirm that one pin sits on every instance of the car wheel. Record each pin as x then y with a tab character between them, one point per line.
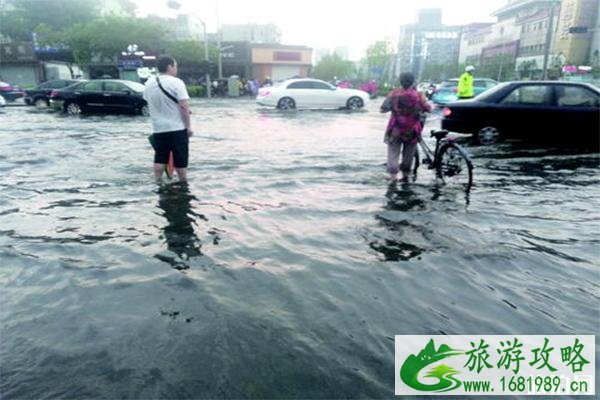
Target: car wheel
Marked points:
354	103
488	135
145	111
73	109
40	103
287	103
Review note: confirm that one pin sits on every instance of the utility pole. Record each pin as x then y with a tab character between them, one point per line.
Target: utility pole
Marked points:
549	33
219	61
207	66
175	5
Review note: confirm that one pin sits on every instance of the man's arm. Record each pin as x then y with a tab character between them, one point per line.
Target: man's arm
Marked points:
184	109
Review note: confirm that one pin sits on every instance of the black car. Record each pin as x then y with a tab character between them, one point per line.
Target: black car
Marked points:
530	110
40	96
101	95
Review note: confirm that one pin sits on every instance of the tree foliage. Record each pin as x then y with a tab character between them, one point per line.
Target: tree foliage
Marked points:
190	53
332	66
500	68
378	59
440	72
19	21
106	37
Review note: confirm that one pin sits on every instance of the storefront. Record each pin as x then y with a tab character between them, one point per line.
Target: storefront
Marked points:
236	59
280	62
18	64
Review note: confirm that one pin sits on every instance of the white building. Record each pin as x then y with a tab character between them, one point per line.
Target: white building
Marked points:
184	27
472	41
595	48
253	33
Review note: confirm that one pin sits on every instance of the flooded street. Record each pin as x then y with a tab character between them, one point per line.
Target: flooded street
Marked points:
287	264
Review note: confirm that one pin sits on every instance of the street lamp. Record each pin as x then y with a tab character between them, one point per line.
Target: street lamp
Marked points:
175	5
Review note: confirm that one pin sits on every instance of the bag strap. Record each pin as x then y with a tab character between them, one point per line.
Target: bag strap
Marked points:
169	95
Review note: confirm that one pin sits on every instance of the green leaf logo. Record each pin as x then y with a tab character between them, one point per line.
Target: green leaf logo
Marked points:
409	372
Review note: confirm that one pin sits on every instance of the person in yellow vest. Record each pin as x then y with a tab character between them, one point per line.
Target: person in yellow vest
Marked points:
465	84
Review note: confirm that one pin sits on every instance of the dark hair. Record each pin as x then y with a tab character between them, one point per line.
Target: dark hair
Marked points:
407	80
164	62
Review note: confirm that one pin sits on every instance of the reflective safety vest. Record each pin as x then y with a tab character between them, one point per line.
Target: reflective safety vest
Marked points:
465	85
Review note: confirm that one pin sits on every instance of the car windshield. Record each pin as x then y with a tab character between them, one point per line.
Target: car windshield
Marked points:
138	87
449	84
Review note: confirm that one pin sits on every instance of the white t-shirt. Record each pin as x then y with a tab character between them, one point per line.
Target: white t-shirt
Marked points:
164	112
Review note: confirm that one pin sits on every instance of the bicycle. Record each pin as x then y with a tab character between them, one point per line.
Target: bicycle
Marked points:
450	161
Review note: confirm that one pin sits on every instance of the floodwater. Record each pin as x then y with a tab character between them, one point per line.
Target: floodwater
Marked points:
284	268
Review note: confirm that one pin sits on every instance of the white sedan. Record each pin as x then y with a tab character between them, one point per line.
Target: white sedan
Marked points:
310	93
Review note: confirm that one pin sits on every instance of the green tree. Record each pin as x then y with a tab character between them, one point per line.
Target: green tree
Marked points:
500	67
106	37
378	59
440	72
25	16
332	66
190	53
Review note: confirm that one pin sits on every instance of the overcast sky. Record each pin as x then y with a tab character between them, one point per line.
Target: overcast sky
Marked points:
329	23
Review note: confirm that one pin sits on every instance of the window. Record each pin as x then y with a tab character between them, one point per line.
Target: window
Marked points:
300	85
573	96
530	94
93	86
114	87
321	86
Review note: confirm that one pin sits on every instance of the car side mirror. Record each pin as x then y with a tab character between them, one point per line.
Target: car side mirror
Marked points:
126	91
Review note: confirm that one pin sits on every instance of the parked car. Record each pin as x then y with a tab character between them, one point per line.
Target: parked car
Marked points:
101	95
40	96
447	91
310	93
10	92
529	110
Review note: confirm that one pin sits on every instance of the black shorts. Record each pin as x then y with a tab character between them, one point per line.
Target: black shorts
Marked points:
177	142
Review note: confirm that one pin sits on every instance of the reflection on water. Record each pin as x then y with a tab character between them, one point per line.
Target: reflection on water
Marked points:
175	201
283	268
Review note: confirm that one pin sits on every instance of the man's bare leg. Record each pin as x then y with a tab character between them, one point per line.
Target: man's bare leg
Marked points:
158	171
182	174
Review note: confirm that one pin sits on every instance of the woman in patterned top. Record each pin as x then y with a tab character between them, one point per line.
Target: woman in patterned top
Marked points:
404	128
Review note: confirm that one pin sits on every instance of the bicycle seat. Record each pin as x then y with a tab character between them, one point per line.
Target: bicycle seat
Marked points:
439	134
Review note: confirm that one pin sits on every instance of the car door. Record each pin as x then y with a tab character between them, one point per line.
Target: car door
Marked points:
526	111
301	92
577	110
90	95
117	97
324	95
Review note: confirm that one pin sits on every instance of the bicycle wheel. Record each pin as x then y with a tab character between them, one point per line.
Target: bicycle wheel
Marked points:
454	167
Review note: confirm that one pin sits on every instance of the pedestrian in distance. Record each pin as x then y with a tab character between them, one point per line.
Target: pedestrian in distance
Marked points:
403	132
465	84
168	103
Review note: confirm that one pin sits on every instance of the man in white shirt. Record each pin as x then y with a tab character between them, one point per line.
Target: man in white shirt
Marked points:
167	99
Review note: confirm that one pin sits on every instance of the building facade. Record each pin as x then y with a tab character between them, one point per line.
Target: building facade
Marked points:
253	33
427	42
280	62
576	48
183	27
472	41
